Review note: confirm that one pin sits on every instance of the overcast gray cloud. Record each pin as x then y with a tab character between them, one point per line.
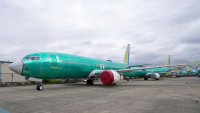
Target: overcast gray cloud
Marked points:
101	29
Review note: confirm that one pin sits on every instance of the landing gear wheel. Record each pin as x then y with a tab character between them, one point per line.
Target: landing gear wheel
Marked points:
39	87
127	79
90	82
145	78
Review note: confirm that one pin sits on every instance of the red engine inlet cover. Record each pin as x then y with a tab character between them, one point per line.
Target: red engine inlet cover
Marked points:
107	77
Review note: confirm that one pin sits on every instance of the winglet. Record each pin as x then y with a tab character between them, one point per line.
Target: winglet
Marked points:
127	55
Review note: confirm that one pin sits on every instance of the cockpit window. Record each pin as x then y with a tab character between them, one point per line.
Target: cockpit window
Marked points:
27	57
32	58
37	58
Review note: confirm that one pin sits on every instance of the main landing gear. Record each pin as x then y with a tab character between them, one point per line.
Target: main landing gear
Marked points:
39	87
90	82
145	78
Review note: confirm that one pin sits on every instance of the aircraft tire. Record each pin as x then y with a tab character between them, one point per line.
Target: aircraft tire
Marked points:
145	78
39	87
90	82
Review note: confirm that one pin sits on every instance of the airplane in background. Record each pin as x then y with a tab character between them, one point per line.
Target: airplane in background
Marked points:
188	70
153	73
48	65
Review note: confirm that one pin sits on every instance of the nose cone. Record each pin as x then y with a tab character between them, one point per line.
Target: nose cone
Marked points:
16	66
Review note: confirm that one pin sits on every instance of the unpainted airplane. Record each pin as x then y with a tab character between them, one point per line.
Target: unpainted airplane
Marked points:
188	70
49	65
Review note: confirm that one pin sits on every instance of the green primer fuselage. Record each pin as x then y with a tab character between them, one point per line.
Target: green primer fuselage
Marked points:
57	66
190	73
142	73
60	66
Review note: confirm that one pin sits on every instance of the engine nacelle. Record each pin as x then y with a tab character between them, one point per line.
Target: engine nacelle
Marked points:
108	77
155	76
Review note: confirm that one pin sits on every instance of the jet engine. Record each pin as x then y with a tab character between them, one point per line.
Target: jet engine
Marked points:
109	77
155	76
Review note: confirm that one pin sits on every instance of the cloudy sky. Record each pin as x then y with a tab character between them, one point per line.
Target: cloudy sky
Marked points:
102	29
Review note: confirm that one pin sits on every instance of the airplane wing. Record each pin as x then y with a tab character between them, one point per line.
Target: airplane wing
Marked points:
96	73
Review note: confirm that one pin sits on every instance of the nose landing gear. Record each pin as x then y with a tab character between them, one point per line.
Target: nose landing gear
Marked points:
39	86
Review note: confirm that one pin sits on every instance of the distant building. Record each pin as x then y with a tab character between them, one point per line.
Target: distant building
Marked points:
6	75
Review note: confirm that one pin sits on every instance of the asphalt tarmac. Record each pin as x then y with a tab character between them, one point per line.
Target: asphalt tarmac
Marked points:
168	95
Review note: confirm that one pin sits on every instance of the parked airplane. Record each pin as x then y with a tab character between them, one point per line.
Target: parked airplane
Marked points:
153	73
188	70
48	65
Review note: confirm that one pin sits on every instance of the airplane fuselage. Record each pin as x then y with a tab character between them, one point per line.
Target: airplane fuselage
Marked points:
59	66
143	73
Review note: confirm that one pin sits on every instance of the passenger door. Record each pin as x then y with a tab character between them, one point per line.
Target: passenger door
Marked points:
53	66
